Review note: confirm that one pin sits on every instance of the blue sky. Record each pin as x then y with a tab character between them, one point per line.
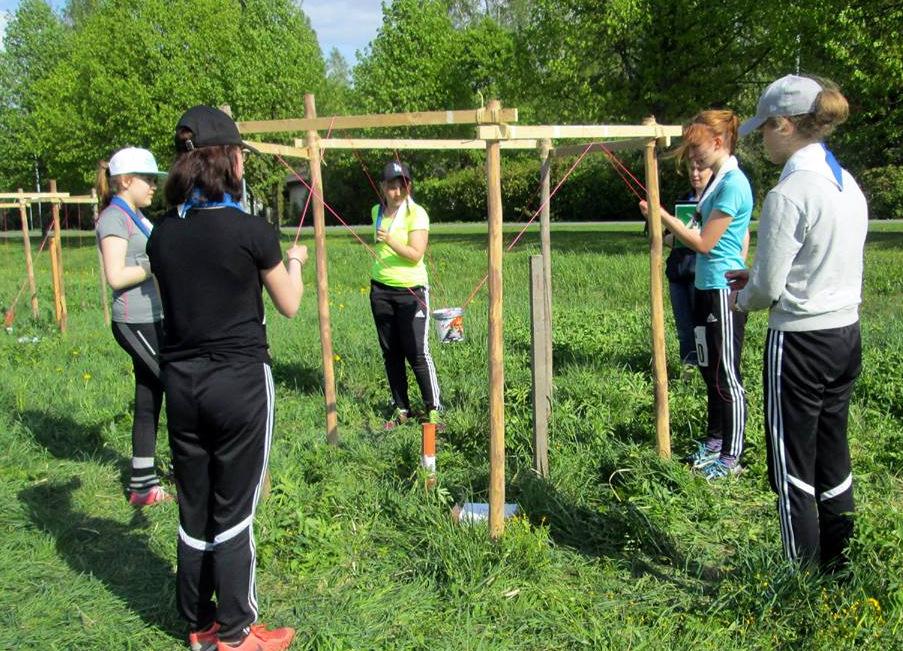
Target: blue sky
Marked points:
348	25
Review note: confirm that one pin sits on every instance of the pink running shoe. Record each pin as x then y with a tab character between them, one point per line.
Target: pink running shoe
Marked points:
262	639
204	640
153	495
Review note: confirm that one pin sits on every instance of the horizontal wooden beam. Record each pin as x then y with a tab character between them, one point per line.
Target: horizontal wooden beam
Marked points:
84	198
33	196
413	143
415	119
282	150
9	205
588	132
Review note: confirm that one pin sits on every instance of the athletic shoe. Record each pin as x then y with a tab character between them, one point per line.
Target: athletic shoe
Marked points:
703	456
204	640
262	639
719	470
398	417
434	417
153	495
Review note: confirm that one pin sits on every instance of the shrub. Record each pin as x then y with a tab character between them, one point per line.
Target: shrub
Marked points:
883	186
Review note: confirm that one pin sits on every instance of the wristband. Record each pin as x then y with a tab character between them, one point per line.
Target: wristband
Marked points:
296	259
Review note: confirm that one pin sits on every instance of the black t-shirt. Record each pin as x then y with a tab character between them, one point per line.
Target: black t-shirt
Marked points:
208	268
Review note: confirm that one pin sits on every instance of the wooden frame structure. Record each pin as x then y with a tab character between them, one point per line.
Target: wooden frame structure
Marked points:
21	201
494	132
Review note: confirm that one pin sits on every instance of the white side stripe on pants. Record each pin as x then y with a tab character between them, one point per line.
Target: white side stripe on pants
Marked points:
841	488
776	426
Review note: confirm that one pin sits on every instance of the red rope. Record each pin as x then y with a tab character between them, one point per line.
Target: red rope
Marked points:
11	312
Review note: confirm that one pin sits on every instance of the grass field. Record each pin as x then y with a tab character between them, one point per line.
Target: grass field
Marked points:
617	550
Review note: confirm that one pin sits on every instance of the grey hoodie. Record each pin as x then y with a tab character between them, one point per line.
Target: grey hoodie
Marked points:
808	266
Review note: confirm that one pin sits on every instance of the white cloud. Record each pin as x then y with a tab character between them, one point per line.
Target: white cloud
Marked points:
348	25
4	18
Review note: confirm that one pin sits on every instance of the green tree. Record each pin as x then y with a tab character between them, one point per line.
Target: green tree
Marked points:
132	68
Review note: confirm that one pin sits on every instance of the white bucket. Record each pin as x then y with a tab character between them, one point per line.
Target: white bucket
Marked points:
449	324
473	512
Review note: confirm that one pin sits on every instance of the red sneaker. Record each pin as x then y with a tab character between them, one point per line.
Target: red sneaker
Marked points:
262	639
153	495
204	640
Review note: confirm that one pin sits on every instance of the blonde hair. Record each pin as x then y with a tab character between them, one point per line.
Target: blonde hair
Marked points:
707	125
829	110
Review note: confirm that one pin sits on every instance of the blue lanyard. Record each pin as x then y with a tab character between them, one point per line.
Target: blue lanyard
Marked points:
127	209
836	170
195	201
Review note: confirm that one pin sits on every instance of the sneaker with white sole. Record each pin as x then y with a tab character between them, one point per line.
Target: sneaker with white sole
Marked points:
399	417
703	456
262	638
718	469
204	640
153	495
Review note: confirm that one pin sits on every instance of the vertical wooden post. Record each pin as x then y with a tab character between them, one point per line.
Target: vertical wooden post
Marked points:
29	266
56	264
541	389
660	372
496	352
545	238
104	301
316	178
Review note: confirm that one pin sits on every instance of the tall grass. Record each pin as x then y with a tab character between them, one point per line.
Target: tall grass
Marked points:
617	550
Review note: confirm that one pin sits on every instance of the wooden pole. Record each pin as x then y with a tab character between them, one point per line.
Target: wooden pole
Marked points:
541	392
29	266
662	427
545	238
56	264
104	300
316	178
496	352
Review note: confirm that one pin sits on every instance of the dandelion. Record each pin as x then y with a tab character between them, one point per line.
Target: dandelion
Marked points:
86	376
336	357
871	601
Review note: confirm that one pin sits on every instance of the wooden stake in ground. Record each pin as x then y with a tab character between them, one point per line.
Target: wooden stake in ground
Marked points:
659	367
316	179
56	264
496	349
104	301
29	266
545	237
541	392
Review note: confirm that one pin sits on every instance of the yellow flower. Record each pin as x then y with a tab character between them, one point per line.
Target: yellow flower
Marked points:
86	376
336	357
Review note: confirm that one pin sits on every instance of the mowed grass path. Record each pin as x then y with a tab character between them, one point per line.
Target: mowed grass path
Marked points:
616	550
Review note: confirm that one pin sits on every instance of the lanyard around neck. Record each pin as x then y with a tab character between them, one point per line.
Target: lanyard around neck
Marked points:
123	205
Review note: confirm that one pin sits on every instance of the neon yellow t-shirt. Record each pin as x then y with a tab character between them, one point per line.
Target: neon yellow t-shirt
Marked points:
389	268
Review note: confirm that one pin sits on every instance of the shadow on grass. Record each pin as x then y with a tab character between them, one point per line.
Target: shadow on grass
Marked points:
298	377
66	439
117	554
614	530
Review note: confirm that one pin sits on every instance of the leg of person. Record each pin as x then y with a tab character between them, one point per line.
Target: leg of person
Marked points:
792	406
237	408
682	307
413	326
383	305
141	342
708	360
833	470
192	465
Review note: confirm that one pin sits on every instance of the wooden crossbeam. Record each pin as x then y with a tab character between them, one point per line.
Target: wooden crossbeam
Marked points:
83	198
299	151
588	132
413	119
611	145
33	196
399	143
9	205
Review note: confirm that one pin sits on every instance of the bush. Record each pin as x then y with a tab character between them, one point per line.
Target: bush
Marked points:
883	186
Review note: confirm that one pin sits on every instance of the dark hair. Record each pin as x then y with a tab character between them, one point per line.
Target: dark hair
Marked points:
210	170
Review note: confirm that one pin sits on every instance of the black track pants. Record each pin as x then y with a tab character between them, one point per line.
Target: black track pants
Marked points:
808	378
220	417
142	342
719	342
402	320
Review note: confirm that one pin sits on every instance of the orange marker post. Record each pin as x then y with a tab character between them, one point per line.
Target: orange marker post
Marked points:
428	452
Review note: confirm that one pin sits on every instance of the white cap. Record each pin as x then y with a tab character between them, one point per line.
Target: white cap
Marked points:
790	95
133	160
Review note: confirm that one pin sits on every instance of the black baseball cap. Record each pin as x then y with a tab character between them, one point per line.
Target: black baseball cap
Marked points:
394	169
210	127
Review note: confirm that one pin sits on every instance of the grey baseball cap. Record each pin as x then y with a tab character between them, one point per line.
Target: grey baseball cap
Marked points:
790	95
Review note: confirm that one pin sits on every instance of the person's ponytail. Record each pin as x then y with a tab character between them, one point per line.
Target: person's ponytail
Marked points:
829	110
103	184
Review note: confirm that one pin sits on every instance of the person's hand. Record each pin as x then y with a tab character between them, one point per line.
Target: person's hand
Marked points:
297	252
737	279
382	235
644	208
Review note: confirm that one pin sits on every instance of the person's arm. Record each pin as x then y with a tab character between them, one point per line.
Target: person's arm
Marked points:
700	241
780	239
118	274
283	282
413	250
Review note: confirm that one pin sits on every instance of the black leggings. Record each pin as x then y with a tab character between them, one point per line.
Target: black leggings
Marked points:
402	318
142	342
